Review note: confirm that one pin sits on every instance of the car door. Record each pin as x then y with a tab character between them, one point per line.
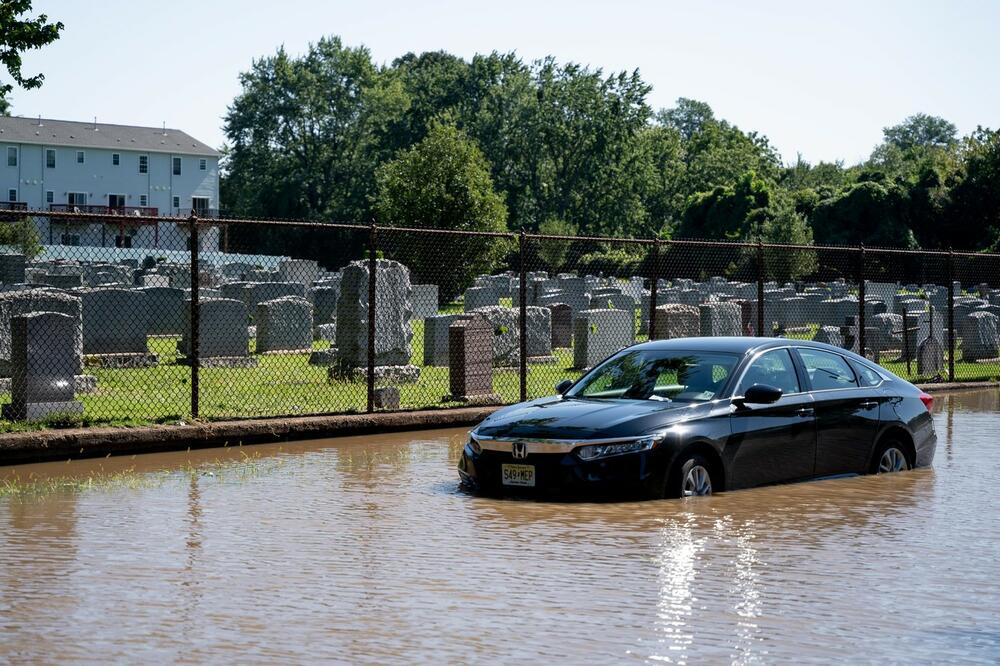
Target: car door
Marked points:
847	414
775	442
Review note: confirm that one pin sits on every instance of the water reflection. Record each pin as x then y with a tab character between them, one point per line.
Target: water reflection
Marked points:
364	549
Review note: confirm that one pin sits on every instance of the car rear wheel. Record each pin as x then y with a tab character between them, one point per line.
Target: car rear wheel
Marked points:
889	457
692	478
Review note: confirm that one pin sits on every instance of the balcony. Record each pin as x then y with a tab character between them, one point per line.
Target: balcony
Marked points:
125	211
13	205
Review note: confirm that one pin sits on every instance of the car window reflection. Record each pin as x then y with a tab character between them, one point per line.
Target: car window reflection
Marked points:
658	375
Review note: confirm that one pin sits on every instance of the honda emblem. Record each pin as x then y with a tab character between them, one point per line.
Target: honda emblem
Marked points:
519	450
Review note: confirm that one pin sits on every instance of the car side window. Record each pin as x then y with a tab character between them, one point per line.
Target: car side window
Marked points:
773	368
866	375
826	370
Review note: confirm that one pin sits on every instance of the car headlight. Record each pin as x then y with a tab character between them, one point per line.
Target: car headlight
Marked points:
474	445
595	451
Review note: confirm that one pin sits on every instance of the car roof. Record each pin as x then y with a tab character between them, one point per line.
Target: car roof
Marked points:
738	345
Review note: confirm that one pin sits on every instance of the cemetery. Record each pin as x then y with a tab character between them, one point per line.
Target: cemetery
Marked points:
281	336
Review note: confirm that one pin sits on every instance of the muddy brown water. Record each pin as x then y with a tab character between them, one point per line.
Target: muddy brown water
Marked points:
365	550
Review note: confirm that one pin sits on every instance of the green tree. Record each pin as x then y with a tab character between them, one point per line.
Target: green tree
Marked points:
22	235
553	252
921	130
973	209
870	212
728	211
17	35
443	182
788	227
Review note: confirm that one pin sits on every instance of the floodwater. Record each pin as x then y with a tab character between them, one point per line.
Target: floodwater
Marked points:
364	550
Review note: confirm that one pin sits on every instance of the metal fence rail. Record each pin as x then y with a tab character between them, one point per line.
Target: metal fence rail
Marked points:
274	318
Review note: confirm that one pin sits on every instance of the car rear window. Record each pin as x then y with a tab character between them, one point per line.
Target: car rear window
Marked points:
866	376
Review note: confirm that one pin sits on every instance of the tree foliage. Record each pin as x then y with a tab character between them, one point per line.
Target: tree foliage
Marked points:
443	182
22	235
18	34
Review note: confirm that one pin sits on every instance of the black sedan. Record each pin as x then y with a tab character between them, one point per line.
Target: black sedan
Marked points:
693	416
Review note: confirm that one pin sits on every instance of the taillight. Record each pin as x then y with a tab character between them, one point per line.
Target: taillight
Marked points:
928	401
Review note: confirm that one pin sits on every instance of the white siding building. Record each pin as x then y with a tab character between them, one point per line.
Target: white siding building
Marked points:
99	168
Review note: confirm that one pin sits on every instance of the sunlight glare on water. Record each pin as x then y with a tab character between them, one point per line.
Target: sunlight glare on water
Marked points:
364	550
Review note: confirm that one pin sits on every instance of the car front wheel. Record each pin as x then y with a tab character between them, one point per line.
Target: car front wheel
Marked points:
692	478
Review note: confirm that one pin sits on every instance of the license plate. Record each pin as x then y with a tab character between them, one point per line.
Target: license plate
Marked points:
518	475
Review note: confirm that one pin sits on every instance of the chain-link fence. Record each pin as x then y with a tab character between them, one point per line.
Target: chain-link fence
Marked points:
120	318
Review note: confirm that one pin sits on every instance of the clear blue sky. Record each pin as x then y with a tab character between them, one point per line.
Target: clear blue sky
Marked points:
820	79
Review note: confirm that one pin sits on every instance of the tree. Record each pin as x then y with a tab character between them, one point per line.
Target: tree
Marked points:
870	212
689	117
921	130
18	35
788	227
553	252
442	182
727	212
23	235
973	210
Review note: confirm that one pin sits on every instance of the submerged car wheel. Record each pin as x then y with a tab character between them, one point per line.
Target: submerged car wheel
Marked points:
692	478
888	458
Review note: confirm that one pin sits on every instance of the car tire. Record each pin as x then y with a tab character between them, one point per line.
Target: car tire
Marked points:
691	477
890	456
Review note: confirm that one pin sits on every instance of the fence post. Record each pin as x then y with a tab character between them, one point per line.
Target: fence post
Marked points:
951	315
522	320
861	301
372	272
760	290
654	278
194	351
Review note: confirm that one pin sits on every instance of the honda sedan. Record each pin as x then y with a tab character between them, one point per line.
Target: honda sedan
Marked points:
696	416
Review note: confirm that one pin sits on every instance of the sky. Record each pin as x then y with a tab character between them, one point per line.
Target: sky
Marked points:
820	79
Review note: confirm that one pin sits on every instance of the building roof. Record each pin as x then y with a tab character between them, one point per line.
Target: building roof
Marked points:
16	129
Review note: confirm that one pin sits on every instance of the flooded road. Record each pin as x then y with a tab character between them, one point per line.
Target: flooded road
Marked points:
364	550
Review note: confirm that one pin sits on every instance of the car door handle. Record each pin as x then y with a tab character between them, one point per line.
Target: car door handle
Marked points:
804	411
868	404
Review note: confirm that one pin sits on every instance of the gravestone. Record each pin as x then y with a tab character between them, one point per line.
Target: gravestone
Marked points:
436	338
259	292
830	335
393	311
16	303
324	307
675	320
888	329
166	310
115	326
43	364
303	271
506	342
930	356
538	335
425	300
62	281
223	337
284	324
12	267
470	366
387	398
577	301
479	297
719	319
980	337
598	334
562	325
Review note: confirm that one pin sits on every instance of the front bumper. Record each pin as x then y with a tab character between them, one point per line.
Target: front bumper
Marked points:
640	474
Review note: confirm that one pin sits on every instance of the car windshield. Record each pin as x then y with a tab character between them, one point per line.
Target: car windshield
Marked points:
681	376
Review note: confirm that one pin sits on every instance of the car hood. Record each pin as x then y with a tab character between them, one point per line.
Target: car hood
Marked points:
576	418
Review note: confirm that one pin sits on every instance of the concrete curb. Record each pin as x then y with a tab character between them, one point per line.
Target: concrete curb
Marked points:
43	445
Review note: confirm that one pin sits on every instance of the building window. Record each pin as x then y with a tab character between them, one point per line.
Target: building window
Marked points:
143	163
177	202
12	195
116	159
70	239
50	196
76	198
80	157
11	156
177	166
50	158
202	164
143	200
123	241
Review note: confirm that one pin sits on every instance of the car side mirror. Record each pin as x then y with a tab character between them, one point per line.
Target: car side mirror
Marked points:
762	394
563	386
